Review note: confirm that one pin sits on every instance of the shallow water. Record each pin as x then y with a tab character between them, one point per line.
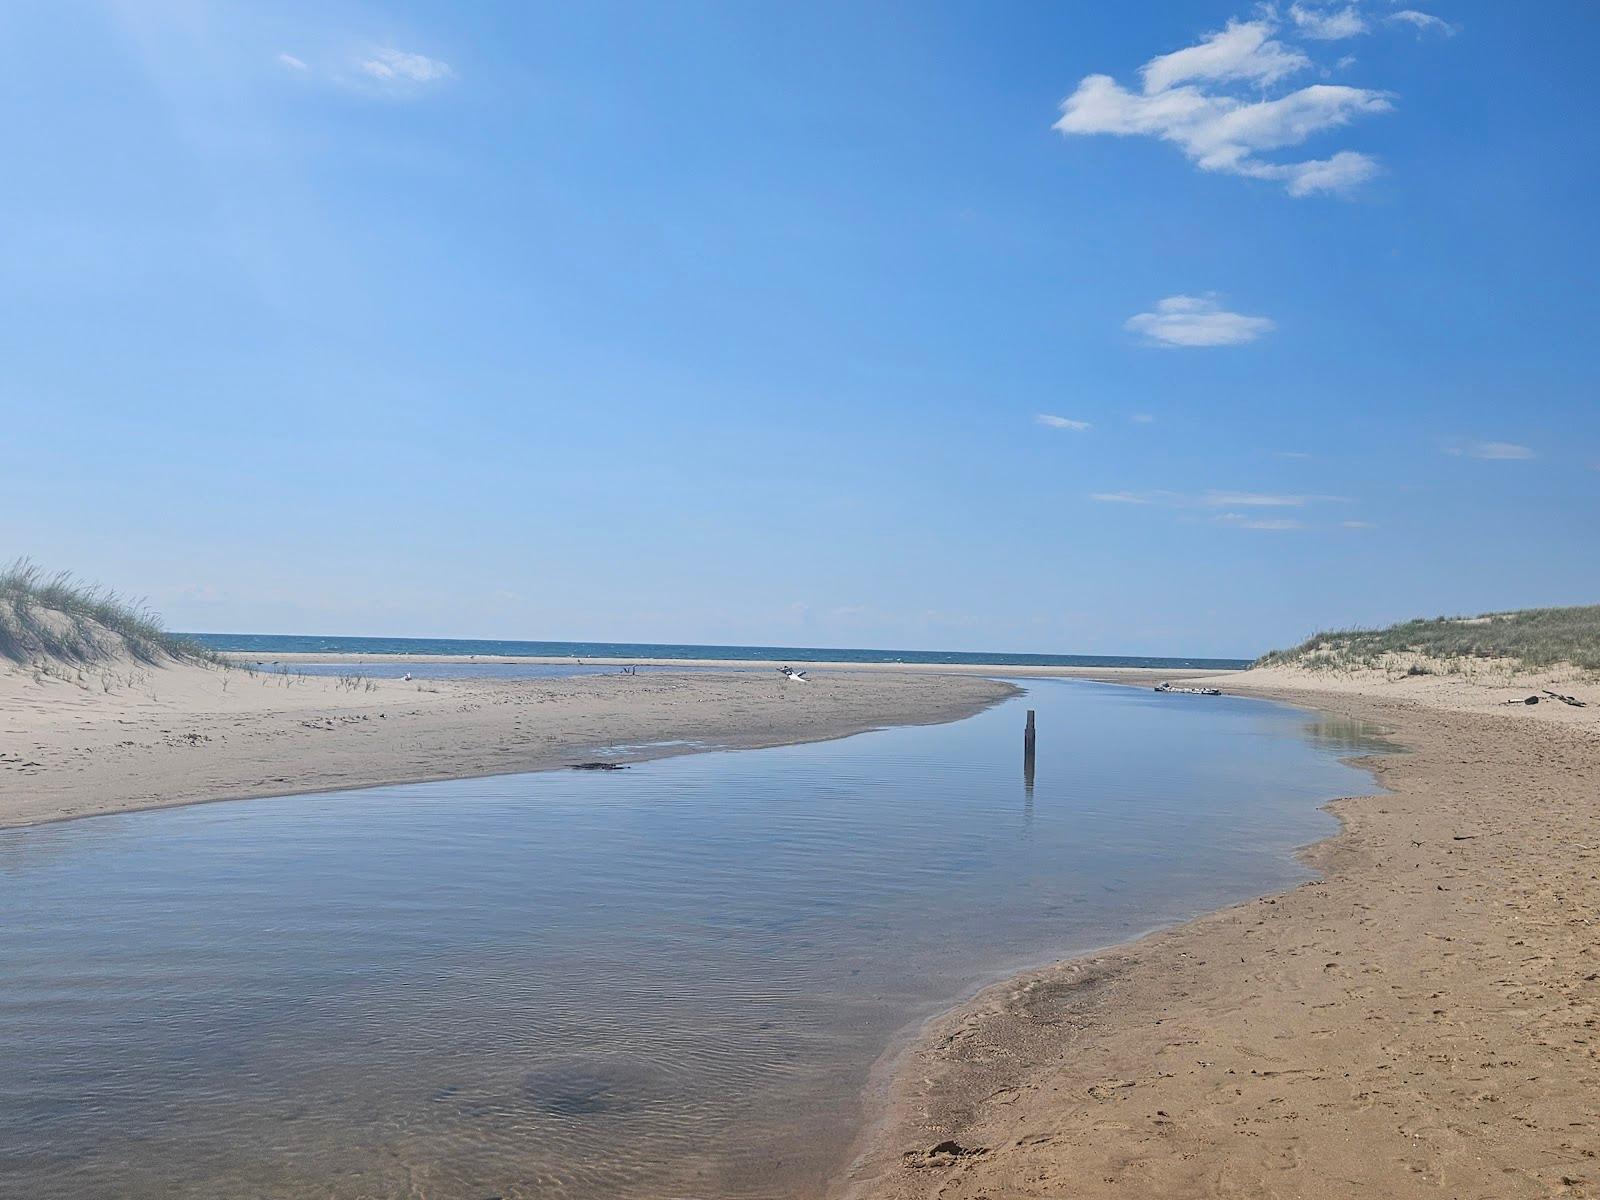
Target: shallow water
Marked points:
666	981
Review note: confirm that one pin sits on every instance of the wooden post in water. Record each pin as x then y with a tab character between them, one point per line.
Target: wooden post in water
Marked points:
1027	743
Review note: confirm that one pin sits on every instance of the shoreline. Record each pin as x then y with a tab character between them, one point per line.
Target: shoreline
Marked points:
74	746
884	1090
77	742
1049	1078
885	1085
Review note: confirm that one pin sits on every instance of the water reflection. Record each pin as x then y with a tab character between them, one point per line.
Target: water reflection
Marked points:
1348	736
1029	765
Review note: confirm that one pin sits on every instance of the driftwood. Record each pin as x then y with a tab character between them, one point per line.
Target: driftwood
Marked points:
1572	700
1205	691
1529	700
598	766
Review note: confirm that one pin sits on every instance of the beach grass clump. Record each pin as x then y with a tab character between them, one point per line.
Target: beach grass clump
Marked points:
1532	639
55	618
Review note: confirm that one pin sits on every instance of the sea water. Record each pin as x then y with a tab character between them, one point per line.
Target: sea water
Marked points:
265	645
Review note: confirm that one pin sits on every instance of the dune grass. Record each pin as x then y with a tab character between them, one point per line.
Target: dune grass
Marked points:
1531	639
57	618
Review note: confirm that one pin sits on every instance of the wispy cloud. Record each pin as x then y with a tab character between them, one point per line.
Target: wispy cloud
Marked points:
389	65
1291	454
1129	497
1422	22
1054	422
1327	24
1216	499
1356	525
1267	524
1491	450
1182	100
1142	419
292	63
1196	321
1242	510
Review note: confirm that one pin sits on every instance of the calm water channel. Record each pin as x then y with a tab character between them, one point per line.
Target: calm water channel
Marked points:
668	981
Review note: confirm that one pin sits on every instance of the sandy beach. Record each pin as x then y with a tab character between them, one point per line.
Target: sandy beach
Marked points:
1420	1021
121	737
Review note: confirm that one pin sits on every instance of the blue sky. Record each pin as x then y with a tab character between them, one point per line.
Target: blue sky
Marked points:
737	323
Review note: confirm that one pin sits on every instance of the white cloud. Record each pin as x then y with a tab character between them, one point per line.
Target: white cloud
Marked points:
1244	50
1422	22
1181	103
1492	450
292	63
1340	173
1327	24
1196	321
400	66
1055	422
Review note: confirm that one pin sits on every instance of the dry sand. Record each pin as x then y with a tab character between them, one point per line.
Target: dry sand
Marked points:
1424	1020
122	737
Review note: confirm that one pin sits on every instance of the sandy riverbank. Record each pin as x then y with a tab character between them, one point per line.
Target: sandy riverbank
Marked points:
1424	1020
114	739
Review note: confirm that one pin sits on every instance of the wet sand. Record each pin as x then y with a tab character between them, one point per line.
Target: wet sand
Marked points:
1424	1020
